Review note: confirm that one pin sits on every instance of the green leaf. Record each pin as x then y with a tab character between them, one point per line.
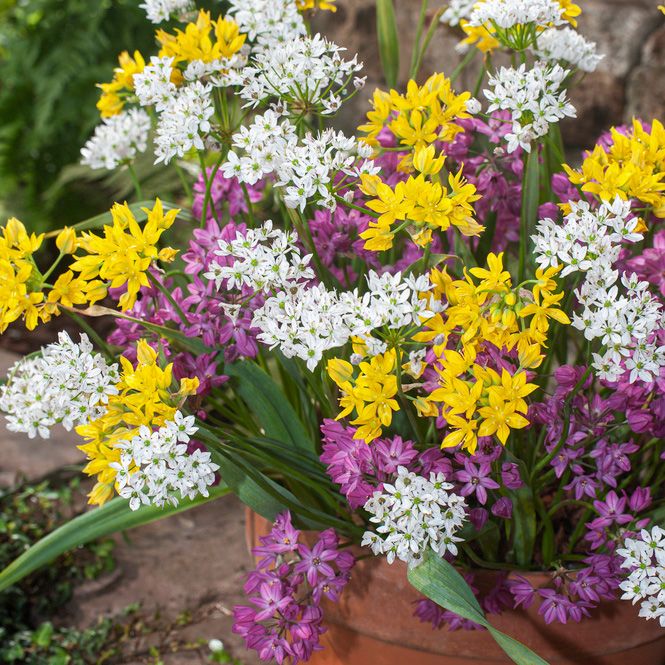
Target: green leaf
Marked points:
524	525
111	517
529	212
439	581
273	411
386	28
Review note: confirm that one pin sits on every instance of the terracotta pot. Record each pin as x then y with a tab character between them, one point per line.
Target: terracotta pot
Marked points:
373	624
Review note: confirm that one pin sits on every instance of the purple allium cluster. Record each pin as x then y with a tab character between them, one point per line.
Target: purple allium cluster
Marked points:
285	619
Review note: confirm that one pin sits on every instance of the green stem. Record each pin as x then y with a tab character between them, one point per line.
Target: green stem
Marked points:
413	70
428	38
136	182
169	297
92	333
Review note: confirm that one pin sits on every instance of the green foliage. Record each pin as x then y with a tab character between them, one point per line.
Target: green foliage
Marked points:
52	53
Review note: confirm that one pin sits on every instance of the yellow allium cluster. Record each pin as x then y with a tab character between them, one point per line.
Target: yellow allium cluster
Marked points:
197	42
20	280
111	101
632	167
423	201
147	395
325	5
123	255
475	400
419	117
371	394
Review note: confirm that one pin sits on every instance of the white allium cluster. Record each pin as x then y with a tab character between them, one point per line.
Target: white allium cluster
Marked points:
569	46
161	10
457	10
117	140
155	467
305	320
305	170
534	97
66	383
506	14
269	23
616	309
265	259
184	122
305	73
644	557
413	515
153	85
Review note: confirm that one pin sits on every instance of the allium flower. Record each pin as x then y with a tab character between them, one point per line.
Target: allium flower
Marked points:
304	73
644	559
414	513
270	23
67	383
184	122
291	578
507	14
535	98
569	46
457	10
117	140
161	10
156	468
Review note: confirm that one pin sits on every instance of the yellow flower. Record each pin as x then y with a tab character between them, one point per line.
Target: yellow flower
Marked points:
147	395
111	103
493	278
196	42
389	203
324	5
482	37
126	251
499	417
66	240
68	291
570	11
543	308
424	160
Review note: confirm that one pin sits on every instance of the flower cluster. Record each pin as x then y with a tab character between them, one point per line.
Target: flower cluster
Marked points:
568	46
156	467
158	11
535	97
291	579
67	384
271	24
117	140
589	241
415	514
304	170
644	558
307	74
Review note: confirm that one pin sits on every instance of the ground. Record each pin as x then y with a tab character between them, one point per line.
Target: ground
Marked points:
191	564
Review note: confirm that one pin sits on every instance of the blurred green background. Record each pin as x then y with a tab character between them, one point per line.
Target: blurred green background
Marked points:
52	53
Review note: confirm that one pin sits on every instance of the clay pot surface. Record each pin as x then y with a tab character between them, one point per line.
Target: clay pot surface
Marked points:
373	624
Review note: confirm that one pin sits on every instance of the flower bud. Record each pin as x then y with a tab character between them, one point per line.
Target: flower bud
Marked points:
66	241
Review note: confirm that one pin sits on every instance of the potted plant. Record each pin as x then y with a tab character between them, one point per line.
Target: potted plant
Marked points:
428	358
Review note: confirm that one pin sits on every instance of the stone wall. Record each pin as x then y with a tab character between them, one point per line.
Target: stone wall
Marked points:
630	81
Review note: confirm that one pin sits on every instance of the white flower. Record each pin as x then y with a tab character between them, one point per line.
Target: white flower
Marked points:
66	383
644	559
622	314
457	10
161	10
155	467
308	72
509	13
534	97
184	122
153	85
414	514
117	140
271	24
569	46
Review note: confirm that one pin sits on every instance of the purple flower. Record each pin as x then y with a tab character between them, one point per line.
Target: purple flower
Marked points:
314	562
522	591
510	476
391	453
554	607
611	511
503	508
476	480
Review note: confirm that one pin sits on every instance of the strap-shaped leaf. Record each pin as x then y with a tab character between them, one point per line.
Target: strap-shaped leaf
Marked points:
110	518
386	28
439	581
273	411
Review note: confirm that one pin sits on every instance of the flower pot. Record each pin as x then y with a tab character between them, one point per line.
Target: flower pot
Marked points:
373	624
